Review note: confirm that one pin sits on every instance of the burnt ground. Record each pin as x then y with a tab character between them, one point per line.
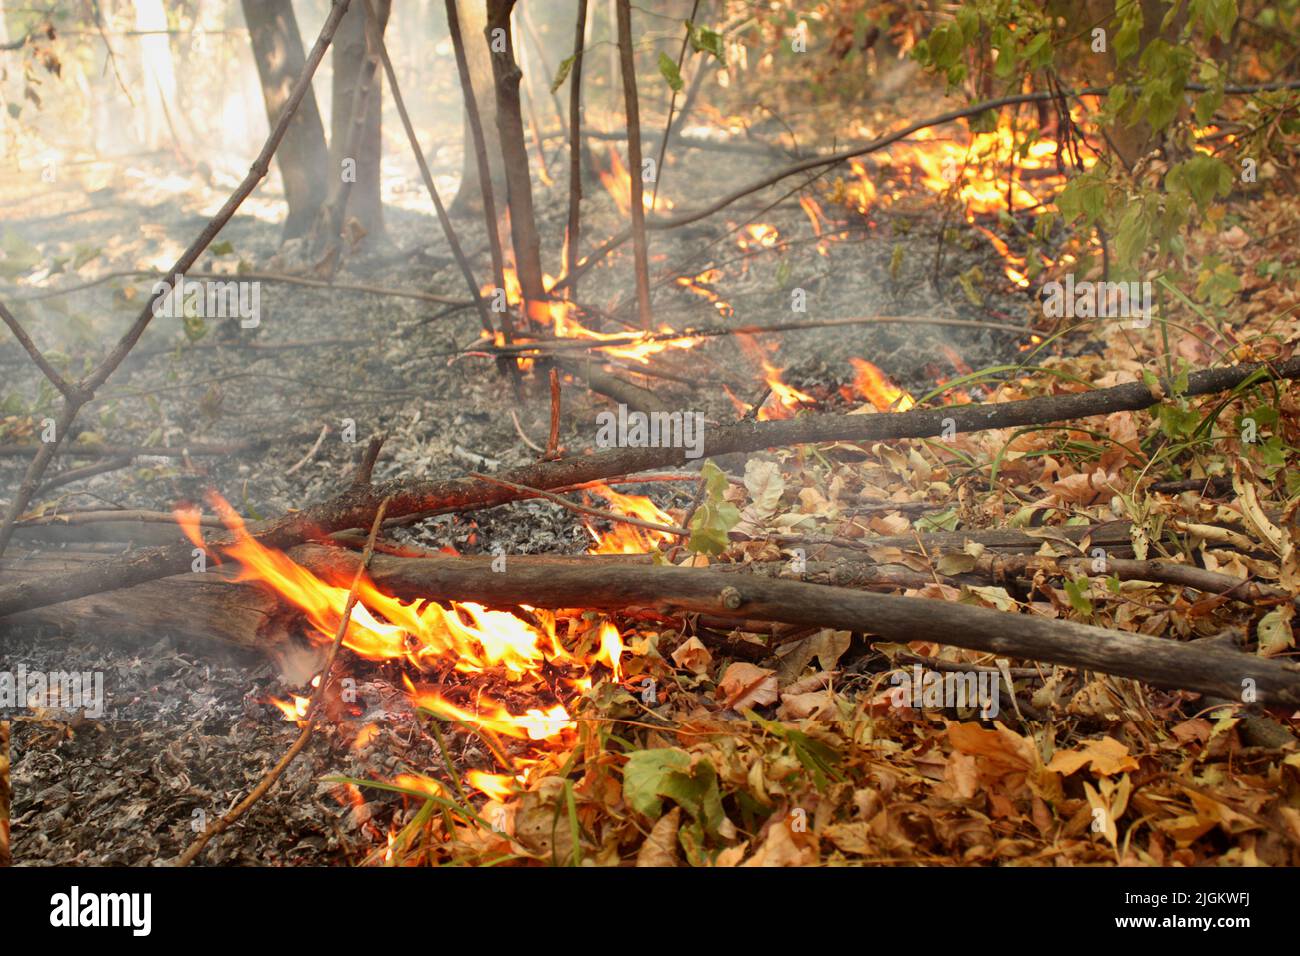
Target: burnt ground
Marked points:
187	729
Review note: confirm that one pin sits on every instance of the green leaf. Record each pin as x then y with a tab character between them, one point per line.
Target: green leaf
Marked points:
222	248
714	517
668	69
1202	177
562	73
1077	591
646	774
704	40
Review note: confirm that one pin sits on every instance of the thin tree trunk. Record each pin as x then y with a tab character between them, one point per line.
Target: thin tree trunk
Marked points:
472	18
510	127
354	71
573	234
639	246
302	157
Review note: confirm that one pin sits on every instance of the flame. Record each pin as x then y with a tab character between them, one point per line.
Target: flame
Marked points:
618	183
627	538
699	285
988	174
874	385
495	785
515	670
758	235
788	399
561	317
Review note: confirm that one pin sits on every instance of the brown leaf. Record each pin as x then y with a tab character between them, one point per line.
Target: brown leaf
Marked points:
747	685
1107	757
660	847
693	656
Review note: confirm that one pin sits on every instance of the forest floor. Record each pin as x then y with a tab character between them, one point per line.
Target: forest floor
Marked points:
189	729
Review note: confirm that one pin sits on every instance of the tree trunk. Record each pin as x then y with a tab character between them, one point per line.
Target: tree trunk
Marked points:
469	197
215	607
364	201
514	150
302	157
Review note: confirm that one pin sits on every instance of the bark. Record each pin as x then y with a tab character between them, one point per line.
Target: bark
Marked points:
615	585
472	15
215	607
573	235
302	157
354	72
514	151
356	507
639	248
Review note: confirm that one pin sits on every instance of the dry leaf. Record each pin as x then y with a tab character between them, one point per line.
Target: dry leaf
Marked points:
747	685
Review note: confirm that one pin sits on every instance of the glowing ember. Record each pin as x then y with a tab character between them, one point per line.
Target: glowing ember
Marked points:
759	235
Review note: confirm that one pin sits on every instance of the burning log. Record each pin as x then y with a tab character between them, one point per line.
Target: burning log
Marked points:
216	608
595	584
356	507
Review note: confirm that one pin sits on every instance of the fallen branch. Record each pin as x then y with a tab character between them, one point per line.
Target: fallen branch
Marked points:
355	507
553	582
547	346
196	450
272	277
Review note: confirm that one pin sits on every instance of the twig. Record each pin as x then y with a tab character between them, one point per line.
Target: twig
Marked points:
640	248
672	106
553	439
58	381
575	149
253	277
519	430
544	346
229	819
585	509
84	391
324	430
86	471
443	219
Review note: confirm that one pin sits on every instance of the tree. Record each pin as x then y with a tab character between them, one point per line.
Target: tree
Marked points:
302	157
364	202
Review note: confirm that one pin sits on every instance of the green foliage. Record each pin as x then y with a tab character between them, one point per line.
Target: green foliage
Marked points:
715	516
704	40
668	70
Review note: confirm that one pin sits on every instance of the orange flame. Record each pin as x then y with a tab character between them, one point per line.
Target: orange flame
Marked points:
874	385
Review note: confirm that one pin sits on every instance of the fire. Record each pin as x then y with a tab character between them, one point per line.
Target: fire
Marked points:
874	385
626	538
497	786
788	399
759	235
618	183
699	285
989	173
465	637
561	316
